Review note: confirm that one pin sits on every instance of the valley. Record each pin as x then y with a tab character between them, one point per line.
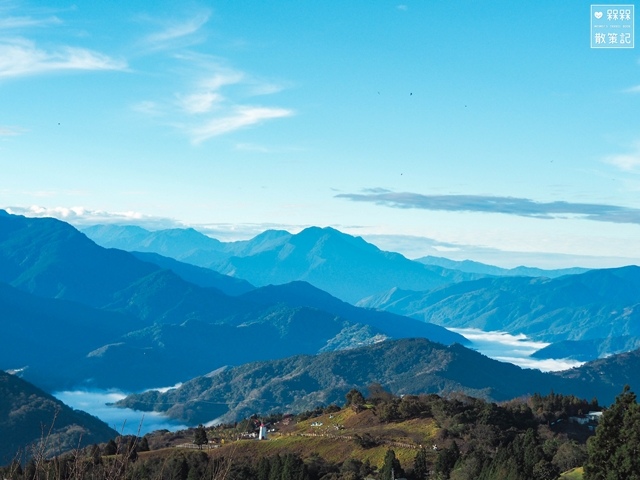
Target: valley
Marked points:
319	313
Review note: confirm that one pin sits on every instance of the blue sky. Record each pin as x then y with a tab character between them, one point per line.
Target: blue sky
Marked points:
484	130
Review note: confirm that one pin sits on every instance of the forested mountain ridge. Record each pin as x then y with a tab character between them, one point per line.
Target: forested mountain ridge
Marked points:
593	305
410	366
32	420
163	319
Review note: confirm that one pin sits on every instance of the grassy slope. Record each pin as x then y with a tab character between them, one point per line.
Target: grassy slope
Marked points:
573	474
300	438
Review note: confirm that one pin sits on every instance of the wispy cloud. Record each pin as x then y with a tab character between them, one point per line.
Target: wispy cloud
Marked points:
178	33
238	117
506	205
20	57
199	102
20	22
6	131
217	102
629	162
635	89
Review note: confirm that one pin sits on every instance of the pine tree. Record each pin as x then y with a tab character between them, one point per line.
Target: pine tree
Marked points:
420	467
111	448
614	451
200	436
391	468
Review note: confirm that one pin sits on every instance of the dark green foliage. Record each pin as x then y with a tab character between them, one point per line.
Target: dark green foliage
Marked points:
275	468
614	451
318	467
378	394
200	436
31	418
143	445
295	383
131	451
476	440
354	397
522	459
569	455
391	467
420	466
554	406
447	459
365	440
111	447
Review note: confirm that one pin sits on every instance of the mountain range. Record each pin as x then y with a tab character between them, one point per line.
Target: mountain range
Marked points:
408	366
598	306
270	323
345	266
572	305
133	324
470	266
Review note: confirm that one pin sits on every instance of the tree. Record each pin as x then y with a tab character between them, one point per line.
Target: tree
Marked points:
391	468
111	448
420	467
614	451
377	394
200	436
132	452
354	397
143	446
447	459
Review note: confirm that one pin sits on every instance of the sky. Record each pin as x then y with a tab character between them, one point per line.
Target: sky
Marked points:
487	130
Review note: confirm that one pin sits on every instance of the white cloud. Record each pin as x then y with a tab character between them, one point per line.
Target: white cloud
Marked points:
179	30
10	131
628	162
20	57
516	349
10	23
239	117
201	102
221	78
81	216
635	89
214	105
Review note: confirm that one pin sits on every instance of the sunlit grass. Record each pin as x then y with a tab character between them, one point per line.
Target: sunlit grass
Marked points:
573	474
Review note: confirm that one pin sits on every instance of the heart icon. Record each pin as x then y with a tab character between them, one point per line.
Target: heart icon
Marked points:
598	15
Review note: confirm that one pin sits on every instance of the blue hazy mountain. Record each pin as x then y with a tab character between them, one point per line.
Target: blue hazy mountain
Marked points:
585	350
298	294
347	267
597	304
48	339
168	328
183	244
476	267
203	277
